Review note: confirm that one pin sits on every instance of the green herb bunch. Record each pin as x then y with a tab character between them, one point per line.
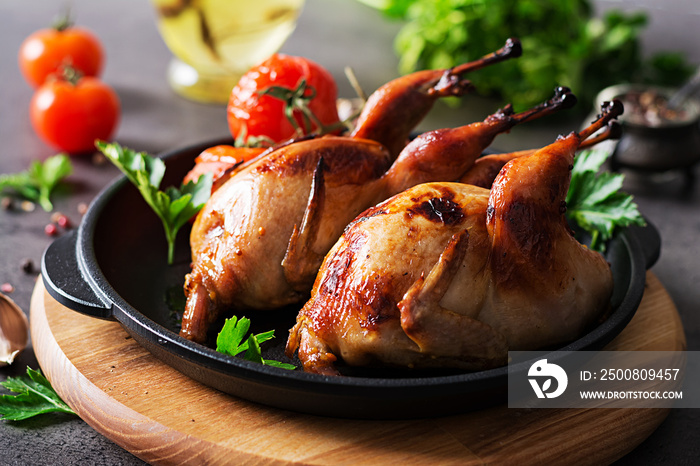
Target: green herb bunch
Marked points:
34	396
234	339
38	182
564	44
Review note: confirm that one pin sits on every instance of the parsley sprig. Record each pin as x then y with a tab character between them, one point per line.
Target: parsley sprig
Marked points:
594	201
174	206
232	340
35	396
38	182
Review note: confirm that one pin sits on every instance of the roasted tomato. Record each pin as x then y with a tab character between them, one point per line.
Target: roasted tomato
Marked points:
255	113
219	160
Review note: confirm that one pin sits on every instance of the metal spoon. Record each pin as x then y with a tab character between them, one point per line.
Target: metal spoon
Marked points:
13	330
685	91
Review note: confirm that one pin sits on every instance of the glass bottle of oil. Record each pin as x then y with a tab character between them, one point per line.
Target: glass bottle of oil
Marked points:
215	41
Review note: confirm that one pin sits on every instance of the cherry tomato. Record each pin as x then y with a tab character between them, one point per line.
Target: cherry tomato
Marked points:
45	51
218	160
257	115
71	115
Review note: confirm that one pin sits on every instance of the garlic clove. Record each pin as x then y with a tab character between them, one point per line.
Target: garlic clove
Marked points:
14	330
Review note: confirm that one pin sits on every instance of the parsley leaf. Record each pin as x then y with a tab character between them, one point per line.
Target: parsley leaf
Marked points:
594	201
232	340
174	206
38	182
35	396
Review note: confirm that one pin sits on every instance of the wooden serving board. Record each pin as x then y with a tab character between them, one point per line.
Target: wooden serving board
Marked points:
163	417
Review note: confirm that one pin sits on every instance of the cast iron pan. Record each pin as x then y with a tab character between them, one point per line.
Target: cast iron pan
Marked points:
114	267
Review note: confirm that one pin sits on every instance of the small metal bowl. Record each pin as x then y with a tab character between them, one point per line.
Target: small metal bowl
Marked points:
654	145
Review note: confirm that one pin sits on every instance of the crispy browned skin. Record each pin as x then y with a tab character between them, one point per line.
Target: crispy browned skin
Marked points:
240	239
453	275
260	240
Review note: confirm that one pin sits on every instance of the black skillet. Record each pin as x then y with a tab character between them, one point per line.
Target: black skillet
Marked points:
114	267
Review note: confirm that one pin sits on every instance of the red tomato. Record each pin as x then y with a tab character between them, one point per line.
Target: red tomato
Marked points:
44	52
218	160
255	115
72	116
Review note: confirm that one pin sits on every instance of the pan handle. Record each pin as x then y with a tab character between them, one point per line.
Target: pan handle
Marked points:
65	282
649	241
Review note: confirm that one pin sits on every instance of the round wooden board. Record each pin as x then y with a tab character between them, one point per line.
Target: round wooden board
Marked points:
163	417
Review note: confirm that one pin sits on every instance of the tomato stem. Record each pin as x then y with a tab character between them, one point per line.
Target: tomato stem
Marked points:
296	104
64	20
70	74
243	140
355	83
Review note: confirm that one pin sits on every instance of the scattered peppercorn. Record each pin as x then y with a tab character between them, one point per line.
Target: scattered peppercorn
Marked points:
28	266
7	288
82	208
27	206
51	229
61	220
7	203
98	159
